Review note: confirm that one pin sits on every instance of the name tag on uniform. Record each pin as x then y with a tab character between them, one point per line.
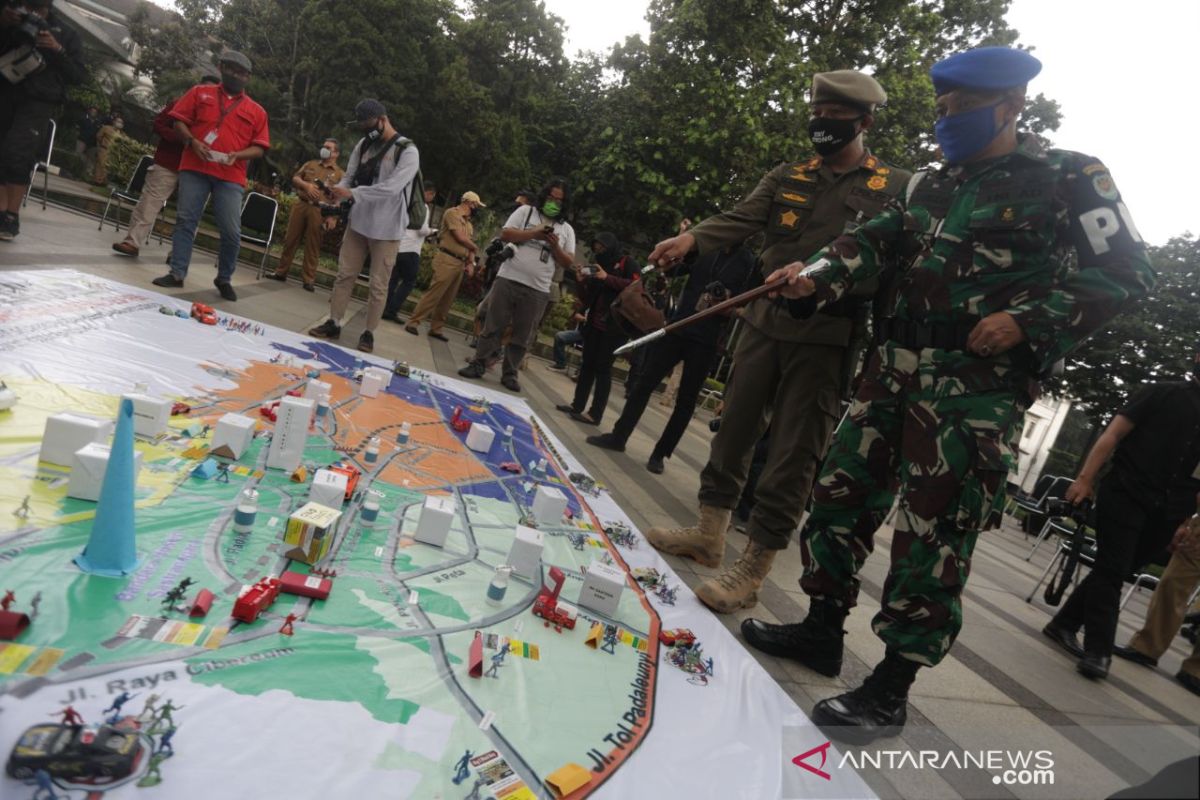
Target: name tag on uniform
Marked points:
210	137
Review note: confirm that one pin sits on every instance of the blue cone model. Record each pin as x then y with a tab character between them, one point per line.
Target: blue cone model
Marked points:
111	550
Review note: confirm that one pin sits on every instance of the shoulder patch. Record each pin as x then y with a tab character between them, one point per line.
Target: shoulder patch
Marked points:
1094	167
1103	184
877	182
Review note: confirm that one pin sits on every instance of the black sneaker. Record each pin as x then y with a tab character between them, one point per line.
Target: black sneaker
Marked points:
326	330
655	465
10	226
608	441
226	289
169	281
472	370
366	342
390	317
511	383
275	276
308	287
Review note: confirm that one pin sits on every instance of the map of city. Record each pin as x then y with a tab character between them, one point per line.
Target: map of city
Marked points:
373	689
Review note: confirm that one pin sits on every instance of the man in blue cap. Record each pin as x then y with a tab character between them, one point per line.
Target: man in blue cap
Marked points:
985	302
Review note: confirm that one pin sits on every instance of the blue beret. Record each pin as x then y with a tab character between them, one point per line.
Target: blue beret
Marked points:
988	69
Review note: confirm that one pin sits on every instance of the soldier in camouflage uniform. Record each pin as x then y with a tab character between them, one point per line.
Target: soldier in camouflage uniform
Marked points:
984	304
788	372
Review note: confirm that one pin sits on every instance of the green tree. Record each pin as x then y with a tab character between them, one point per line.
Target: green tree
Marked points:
1152	340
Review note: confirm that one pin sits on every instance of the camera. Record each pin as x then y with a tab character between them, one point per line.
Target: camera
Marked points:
28	24
713	293
1076	513
497	253
587	271
341	209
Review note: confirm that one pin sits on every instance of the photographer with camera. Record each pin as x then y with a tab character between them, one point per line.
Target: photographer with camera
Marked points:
519	296
600	284
375	193
222	129
408	260
1154	443
456	256
305	222
711	279
40	56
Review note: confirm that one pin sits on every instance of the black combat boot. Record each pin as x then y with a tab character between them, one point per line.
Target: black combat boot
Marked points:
876	709
816	642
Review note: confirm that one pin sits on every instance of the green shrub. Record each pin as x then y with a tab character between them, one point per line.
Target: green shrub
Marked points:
123	157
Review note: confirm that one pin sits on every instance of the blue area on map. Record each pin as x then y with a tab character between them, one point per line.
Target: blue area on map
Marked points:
340	362
490	489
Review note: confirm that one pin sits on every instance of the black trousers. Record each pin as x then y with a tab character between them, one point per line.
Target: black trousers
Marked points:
24	125
1129	535
661	358
596	368
404	277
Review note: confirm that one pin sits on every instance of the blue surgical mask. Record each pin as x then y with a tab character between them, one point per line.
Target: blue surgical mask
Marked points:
963	135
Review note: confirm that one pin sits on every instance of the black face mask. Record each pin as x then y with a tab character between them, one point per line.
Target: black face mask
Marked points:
233	85
830	135
607	259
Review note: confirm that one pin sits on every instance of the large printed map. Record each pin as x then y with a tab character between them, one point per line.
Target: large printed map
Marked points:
371	695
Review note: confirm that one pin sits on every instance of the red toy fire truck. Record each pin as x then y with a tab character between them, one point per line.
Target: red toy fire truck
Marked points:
204	313
560	614
352	474
256	599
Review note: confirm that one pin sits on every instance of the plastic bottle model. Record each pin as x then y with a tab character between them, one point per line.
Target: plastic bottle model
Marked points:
372	454
370	509
499	584
508	433
405	432
245	512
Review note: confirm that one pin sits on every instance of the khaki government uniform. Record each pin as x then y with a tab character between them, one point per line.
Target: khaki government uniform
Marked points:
104	140
304	222
789	373
448	266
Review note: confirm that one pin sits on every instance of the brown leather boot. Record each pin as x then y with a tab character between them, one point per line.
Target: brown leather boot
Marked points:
737	587
703	542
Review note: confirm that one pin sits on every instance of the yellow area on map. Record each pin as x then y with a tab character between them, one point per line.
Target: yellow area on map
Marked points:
44	661
12	655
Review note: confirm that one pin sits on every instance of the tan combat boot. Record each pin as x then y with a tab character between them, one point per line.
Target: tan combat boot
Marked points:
737	587
703	542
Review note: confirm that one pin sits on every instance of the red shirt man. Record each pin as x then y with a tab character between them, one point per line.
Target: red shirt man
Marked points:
226	123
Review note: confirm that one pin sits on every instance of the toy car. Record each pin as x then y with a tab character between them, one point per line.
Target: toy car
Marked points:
400	368
511	466
170	312
352	474
75	753
679	637
179	408
269	410
204	313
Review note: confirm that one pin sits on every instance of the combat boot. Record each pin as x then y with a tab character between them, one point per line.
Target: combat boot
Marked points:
817	642
704	542
737	587
876	709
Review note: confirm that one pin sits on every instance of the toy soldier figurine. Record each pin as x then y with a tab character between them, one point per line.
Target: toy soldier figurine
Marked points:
33	605
172	597
70	717
791	372
118	701
185	583
286	628
497	662
165	748
9	597
164	719
985	302
462	769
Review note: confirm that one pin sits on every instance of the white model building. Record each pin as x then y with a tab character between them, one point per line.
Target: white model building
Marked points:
549	503
374	381
328	488
89	464
480	437
233	436
66	432
602	587
291	433
437	515
150	414
526	552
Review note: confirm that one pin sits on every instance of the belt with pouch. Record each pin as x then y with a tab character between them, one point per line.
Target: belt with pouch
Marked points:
452	254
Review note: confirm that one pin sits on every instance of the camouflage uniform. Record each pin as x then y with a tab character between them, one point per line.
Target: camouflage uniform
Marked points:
930	421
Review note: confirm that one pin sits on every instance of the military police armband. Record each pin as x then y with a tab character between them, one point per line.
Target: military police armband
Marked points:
1103	221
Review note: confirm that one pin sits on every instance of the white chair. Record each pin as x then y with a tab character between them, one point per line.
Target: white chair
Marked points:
44	166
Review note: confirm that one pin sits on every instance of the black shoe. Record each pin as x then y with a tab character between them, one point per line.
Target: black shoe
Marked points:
1136	656
1064	638
412	330
816	642
275	276
441	337
10	226
366	342
308	287
326	330
510	383
390	317
608	441
1189	681
1093	666
876	709
226	289
472	370
566	408
168	280
655	465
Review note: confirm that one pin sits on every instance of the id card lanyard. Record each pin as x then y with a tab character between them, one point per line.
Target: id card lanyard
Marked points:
211	136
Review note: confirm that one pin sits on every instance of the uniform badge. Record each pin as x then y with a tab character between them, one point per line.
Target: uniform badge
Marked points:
883	171
876	182
1008	215
1093	168
789	218
871	162
795	198
1104	186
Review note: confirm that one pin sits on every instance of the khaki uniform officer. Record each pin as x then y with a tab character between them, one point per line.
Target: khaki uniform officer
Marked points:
788	372
304	222
455	255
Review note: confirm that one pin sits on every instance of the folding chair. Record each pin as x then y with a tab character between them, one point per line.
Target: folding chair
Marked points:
1052	524
1031	501
1143	579
130	194
1087	558
258	215
44	166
